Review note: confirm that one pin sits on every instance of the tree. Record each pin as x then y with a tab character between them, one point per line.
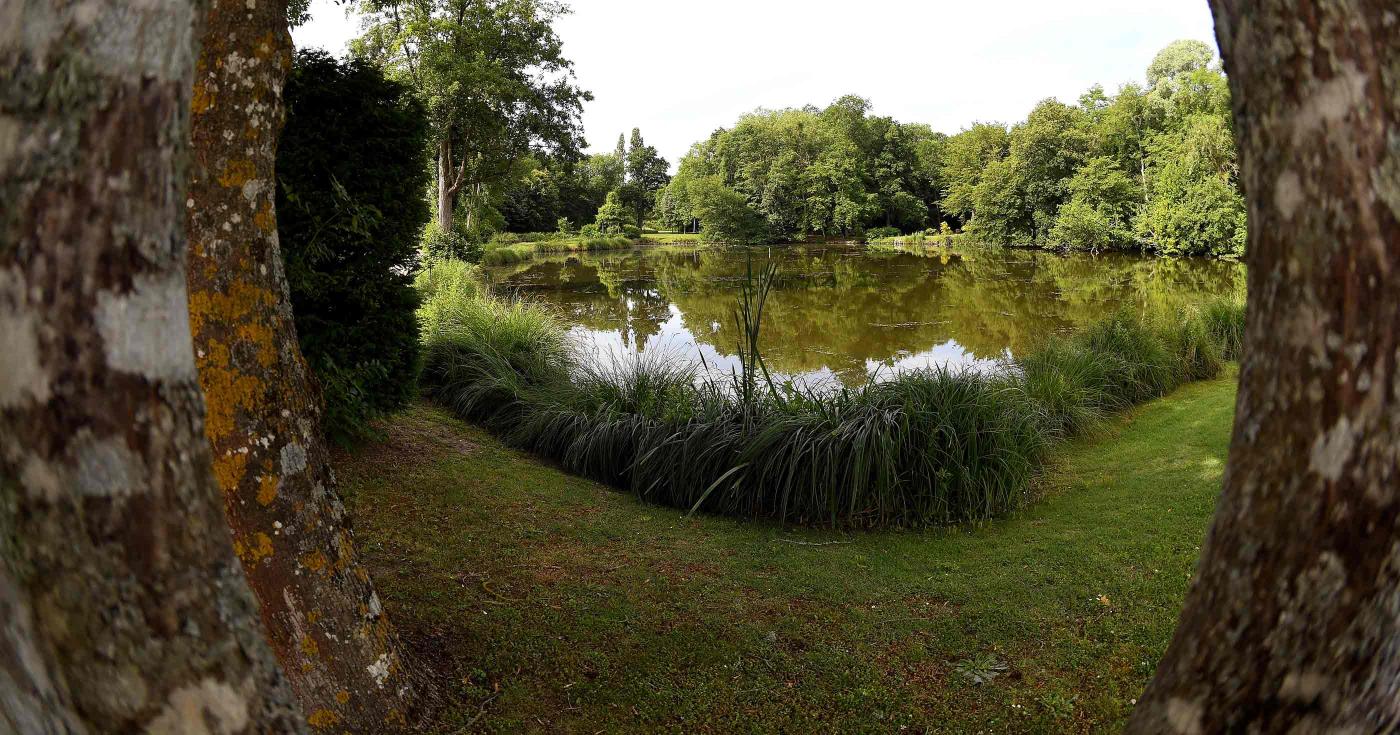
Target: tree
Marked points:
351	172
319	608
965	159
495	82
646	175
613	215
724	214
1193	205
122	605
1290	622
1179	57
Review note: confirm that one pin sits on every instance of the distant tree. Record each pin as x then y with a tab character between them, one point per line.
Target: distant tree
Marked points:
724	214
1179	57
351	171
613	215
966	157
1194	206
646	175
1098	215
495	81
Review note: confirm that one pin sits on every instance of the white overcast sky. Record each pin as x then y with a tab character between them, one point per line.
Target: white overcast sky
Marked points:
678	69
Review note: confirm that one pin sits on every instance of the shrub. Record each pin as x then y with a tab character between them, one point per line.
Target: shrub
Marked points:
351	172
882	232
631	232
589	230
439	245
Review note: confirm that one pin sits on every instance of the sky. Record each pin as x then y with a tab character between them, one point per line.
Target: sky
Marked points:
679	70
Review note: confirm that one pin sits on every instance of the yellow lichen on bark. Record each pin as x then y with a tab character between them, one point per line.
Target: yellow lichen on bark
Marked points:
267	489
238	173
323	718
315	561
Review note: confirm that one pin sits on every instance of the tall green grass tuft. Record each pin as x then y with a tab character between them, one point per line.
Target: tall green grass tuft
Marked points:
924	448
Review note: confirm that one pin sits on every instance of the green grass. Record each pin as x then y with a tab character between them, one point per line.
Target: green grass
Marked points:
671	238
547	603
923	448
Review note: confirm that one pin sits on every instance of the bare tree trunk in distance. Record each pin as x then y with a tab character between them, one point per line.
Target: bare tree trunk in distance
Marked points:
319	606
1293	622
122	605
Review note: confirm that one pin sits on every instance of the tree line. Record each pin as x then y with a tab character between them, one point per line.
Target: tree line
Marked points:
1151	168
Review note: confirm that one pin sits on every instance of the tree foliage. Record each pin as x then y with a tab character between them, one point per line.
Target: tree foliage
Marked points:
1149	168
495	82
351	173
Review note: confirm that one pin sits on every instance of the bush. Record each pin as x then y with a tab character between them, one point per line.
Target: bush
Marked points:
439	245
882	232
927	447
589	230
631	232
351	172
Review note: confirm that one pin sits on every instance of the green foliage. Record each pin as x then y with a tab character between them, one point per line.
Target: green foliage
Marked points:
496	86
724	214
1194	205
439	244
927	447
831	172
613	215
350	180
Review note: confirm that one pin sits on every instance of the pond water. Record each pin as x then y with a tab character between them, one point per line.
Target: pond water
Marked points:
839	312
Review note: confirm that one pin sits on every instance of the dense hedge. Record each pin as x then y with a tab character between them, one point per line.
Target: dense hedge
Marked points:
924	448
351	172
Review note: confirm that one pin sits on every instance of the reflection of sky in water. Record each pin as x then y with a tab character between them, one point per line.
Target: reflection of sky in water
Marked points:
673	338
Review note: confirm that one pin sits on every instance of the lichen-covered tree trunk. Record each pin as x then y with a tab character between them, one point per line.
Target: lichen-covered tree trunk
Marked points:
122	605
1293	622
318	604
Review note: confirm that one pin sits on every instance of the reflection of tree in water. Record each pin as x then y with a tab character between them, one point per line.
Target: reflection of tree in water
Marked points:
839	308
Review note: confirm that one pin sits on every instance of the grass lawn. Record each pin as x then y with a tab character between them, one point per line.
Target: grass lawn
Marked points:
554	604
671	238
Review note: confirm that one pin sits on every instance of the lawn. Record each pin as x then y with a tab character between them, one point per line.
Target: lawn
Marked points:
553	604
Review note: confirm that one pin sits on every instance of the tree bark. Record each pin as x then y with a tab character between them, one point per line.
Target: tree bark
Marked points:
1293	621
290	530
447	187
122	605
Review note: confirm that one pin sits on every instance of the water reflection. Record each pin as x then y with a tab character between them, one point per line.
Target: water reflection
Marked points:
840	312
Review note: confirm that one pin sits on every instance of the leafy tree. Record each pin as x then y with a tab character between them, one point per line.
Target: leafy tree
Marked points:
495	82
646	175
725	214
1194	205
613	214
1178	58
351	172
966	157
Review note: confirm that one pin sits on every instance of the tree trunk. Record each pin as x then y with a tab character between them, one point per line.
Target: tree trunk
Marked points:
122	605
447	189
1293	622
319	607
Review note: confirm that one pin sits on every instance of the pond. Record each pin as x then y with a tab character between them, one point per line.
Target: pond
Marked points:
840	312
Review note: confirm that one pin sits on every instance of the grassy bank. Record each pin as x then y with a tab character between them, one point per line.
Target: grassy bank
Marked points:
505	253
923	448
550	604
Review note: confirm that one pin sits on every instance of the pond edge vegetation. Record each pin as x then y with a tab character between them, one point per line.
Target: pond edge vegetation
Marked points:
921	448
